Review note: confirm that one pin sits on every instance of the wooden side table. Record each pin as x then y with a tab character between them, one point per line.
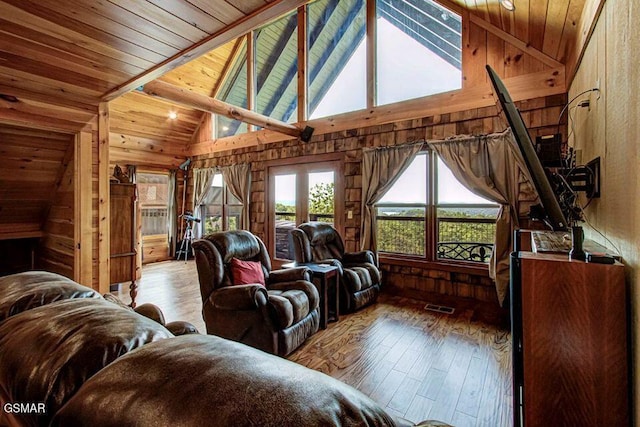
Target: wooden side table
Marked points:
324	277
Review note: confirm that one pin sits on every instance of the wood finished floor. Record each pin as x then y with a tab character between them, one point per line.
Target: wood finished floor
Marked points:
415	363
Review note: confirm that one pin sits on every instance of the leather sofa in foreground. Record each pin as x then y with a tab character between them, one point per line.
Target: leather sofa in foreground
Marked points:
93	362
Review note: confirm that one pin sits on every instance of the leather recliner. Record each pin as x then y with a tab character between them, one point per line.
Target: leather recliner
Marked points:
320	243
276	318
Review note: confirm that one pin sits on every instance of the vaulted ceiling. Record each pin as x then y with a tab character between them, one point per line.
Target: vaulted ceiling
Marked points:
75	54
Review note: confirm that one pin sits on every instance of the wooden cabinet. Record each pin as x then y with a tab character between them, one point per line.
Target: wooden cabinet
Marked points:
569	331
124	236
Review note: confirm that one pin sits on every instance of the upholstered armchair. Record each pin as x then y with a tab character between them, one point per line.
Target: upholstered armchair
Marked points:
320	243
276	317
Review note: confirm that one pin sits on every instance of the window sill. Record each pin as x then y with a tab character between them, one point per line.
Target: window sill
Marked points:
452	266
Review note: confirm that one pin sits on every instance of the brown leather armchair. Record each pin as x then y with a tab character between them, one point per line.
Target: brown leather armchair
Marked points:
320	243
276	318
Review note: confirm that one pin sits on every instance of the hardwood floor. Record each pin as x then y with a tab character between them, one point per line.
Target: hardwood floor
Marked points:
415	363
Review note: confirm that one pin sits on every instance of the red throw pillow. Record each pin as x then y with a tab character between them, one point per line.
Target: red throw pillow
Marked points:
246	272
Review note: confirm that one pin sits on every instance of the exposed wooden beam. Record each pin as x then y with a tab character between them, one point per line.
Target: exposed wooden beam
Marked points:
302	64
540	56
371	53
586	26
190	99
266	13
251	74
535	85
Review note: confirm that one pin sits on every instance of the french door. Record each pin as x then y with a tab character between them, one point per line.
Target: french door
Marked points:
300	193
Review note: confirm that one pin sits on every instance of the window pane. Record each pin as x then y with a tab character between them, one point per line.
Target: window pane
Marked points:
277	69
285	214
321	196
234	91
214	196
212	219
153	194
233	217
418	49
450	191
411	186
337	57
466	233
401	230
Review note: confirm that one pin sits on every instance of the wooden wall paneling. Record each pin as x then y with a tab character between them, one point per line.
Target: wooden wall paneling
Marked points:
586	25
56	249
104	214
83	236
608	129
474	56
570	29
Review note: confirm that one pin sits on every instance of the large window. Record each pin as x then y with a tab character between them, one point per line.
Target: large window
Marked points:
428	214
221	210
419	45
277	69
337	57
153	200
417	48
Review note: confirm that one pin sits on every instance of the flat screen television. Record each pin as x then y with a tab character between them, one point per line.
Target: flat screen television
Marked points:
551	210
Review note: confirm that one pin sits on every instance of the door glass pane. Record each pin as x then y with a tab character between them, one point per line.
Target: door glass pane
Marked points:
285	212
321	196
153	194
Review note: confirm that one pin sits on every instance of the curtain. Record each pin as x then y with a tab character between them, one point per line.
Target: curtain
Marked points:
131	170
381	167
202	179
172	212
491	166
238	180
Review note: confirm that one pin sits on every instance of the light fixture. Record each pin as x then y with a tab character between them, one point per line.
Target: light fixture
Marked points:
508	4
173	115
225	128
444	16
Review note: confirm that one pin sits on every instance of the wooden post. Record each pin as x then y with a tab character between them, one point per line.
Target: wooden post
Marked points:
371	54
83	235
104	213
190	99
251	74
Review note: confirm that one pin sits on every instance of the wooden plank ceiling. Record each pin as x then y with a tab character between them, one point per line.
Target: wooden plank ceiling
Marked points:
549	26
32	164
75	52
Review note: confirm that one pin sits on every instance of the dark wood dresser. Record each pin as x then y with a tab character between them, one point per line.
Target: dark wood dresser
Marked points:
570	342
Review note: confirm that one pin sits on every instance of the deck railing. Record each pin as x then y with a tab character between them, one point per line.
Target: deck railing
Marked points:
462	239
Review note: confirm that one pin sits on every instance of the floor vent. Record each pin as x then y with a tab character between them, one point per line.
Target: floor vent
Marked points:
439	308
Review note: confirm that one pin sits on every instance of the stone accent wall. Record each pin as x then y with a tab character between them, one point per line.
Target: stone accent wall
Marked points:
540	115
